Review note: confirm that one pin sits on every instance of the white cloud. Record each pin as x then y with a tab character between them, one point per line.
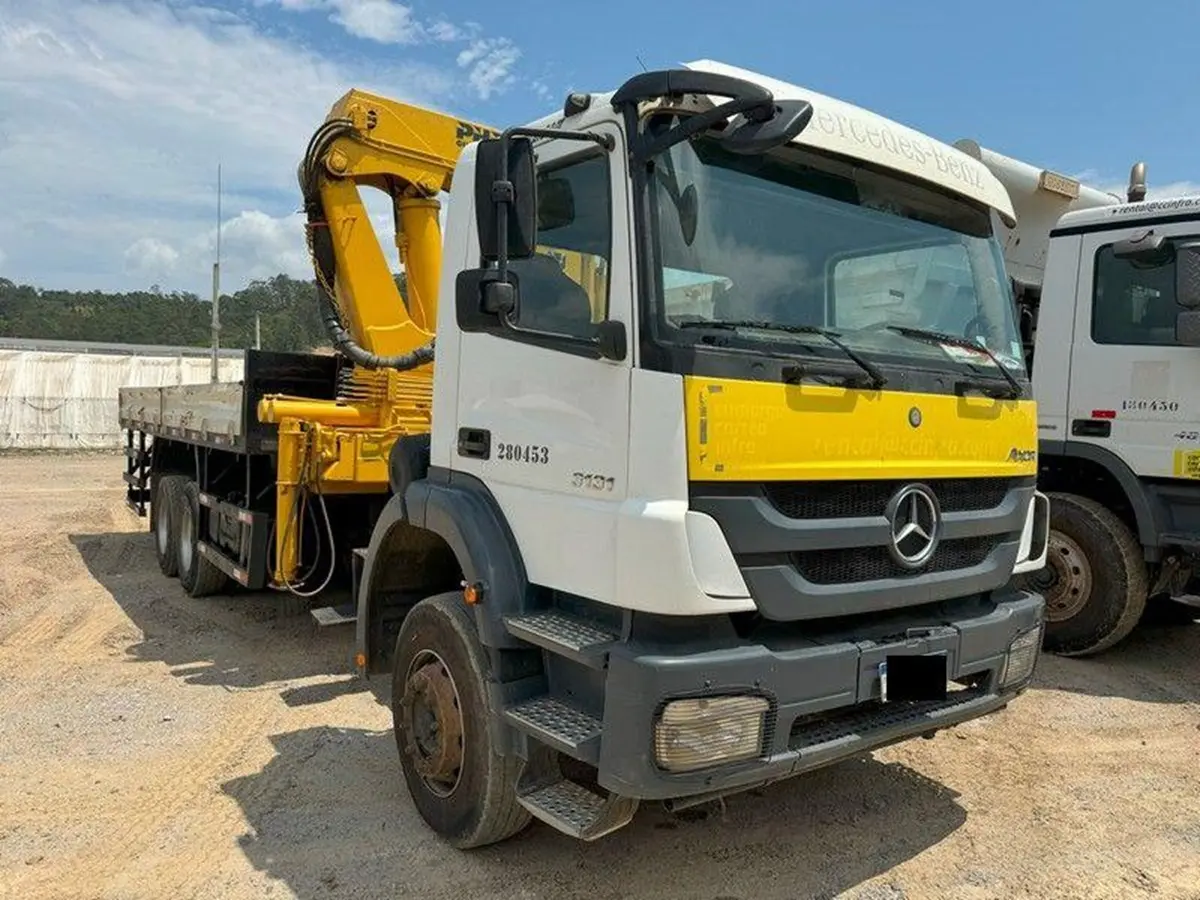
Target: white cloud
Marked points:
151	256
489	63
1171	189
1111	185
115	113
384	21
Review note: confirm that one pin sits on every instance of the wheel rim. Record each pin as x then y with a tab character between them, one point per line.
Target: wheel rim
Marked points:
161	531
185	538
432	723
1066	581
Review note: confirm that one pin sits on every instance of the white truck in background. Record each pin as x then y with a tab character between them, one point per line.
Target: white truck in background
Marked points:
1108	294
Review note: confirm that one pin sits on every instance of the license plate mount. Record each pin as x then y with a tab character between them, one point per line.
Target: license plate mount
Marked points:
913	678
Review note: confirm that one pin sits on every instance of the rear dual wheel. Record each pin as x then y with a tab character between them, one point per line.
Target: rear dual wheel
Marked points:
164	522
197	574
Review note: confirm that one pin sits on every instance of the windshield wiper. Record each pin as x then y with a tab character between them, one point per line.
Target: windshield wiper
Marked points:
954	340
877	379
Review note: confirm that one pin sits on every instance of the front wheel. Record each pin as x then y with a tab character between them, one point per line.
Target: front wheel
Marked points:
1094	582
462	787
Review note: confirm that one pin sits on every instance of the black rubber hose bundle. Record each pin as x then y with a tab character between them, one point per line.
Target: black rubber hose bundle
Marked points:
324	261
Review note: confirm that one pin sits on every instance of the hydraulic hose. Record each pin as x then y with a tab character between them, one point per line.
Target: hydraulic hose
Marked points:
325	262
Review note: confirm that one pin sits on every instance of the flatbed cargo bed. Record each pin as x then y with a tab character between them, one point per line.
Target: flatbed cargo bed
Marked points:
224	415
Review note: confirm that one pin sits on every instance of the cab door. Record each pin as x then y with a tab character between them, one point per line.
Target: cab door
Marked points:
546	418
1132	387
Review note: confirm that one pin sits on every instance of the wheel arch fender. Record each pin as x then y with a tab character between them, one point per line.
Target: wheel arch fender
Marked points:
1145	517
461	511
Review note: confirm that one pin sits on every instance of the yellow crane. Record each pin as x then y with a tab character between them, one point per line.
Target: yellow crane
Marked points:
409	153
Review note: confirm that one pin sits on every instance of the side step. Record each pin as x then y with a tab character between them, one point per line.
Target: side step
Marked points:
325	616
571	636
335	615
558	725
574	810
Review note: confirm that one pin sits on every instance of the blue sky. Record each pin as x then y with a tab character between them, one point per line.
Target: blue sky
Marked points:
114	113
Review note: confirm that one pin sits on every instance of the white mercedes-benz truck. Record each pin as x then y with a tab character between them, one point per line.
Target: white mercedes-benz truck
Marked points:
1108	291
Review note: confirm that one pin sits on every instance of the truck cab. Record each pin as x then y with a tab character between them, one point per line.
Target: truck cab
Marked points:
731	428
1106	289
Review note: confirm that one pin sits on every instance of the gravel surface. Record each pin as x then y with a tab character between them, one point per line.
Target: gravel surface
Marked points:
154	746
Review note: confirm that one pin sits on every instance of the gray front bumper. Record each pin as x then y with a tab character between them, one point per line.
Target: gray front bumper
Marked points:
824	698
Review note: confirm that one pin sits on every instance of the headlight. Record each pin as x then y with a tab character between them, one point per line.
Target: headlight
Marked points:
1022	657
703	731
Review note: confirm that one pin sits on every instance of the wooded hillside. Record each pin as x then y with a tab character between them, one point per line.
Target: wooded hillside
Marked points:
287	306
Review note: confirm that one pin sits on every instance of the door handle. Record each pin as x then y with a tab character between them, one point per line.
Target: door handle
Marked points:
475	442
1091	428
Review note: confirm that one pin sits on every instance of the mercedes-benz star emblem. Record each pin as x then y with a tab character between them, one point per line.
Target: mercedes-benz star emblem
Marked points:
915	519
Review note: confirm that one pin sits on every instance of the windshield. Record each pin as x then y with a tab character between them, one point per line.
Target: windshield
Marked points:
792	238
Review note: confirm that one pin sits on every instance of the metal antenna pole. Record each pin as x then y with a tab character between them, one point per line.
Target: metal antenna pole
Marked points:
216	286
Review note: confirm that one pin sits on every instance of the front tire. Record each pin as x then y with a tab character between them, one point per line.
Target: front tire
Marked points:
1094	582
462	787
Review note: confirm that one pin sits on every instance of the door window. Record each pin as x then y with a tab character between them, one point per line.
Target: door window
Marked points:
1133	302
564	286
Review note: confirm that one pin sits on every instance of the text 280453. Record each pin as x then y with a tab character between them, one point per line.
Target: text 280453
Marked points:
535	454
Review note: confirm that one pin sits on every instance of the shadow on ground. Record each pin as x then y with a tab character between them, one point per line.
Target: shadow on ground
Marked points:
239	640
1158	663
330	816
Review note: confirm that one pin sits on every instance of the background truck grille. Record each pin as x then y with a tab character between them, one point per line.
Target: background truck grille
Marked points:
850	499
872	563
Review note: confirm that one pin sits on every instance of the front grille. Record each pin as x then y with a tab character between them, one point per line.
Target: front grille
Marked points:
857	564
852	499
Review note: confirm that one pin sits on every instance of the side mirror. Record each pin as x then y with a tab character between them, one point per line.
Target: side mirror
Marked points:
761	131
1187	328
1187	274
481	299
1147	249
506	198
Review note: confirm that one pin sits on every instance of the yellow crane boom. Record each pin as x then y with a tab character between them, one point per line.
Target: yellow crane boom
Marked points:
342	445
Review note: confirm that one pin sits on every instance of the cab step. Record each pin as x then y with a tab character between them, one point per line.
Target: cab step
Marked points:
558	725
571	636
574	810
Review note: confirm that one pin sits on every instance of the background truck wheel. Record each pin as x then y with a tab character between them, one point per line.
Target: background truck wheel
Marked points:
1094	581
164	522
198	576
462	787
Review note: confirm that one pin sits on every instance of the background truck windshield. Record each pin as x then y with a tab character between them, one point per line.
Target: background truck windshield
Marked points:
793	238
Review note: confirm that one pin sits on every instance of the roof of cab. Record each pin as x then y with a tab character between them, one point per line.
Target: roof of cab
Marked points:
840	127
1119	214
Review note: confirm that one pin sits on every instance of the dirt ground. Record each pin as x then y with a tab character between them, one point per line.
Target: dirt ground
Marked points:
154	746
